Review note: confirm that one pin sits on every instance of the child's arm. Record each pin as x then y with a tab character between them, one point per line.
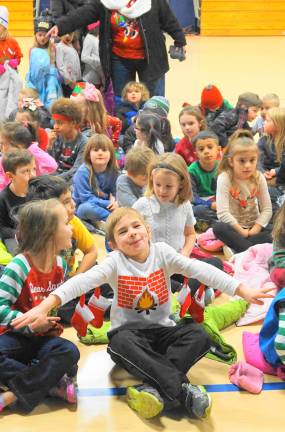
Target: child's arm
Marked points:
211	276
190	238
85	243
265	206
72	288
90	52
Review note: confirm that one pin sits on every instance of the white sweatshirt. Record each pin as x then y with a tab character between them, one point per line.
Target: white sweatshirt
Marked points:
142	291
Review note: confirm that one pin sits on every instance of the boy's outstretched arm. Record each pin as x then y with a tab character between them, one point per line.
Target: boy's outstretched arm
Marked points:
253	295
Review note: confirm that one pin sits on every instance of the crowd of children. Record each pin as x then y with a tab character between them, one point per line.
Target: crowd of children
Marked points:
69	163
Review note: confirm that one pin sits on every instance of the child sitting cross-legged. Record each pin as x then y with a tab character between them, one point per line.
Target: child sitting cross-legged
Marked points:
130	186
19	167
66	141
143	339
204	174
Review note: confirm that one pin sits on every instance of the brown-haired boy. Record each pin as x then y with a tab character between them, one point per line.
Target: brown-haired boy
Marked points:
228	122
65	141
19	167
130	186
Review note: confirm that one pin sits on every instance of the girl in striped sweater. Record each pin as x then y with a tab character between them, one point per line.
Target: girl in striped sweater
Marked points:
36	362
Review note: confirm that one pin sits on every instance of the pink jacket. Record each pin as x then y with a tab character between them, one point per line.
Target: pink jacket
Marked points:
45	164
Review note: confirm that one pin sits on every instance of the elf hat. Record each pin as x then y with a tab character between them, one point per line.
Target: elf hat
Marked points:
211	98
4	16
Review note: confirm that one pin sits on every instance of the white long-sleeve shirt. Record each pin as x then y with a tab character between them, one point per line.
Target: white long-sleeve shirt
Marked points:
90	57
142	291
68	62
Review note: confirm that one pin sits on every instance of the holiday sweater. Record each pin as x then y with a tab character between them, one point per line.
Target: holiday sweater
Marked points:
23	287
204	183
142	291
9	50
243	203
184	147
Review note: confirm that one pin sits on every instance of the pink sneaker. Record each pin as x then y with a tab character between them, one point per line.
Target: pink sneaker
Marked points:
66	390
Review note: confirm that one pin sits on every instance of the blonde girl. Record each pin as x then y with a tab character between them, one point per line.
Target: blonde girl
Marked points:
95	180
191	122
134	95
272	144
167	208
243	202
27	280
95	118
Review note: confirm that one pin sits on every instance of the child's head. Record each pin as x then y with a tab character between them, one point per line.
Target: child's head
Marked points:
158	105
15	135
67	117
48	186
91	103
128	232
274	125
148	128
137	161
168	179
4	21
50	229
94	28
99	154
67	38
251	102
211	99
25	95
241	156
270	100
42	25
206	145
27	116
191	121
135	93
19	166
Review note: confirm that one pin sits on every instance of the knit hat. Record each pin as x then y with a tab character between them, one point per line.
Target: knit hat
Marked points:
44	22
211	98
4	16
159	104
249	99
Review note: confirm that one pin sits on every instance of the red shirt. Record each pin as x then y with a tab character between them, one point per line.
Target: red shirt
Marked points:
9	50
127	41
185	148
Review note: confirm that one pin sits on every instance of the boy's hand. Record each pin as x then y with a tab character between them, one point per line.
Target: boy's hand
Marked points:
253	295
47	325
51	139
38	315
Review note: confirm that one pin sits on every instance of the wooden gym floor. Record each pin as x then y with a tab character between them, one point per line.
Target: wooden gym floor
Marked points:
235	65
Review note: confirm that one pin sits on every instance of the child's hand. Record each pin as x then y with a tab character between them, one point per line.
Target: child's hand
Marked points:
244	232
37	316
51	139
53	32
253	295
113	203
254	230
48	324
214	205
270	174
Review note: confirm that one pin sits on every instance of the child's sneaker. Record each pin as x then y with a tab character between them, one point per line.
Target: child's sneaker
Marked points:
145	400
66	389
197	401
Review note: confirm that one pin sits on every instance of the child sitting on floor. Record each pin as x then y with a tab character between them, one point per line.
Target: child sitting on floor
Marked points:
143	339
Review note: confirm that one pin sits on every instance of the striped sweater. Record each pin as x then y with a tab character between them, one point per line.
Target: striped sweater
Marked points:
23	286
280	336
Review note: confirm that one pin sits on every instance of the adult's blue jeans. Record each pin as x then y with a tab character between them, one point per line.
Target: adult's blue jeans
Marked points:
31	366
125	70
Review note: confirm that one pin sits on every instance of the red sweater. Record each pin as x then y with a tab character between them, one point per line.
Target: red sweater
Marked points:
185	148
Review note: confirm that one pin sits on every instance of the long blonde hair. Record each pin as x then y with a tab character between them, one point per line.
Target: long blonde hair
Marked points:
240	141
175	164
277	116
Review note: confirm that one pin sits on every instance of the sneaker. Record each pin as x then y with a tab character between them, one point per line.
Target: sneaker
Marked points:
197	401
145	400
66	389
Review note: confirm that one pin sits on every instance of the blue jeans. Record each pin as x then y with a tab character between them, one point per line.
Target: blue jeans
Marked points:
125	70
29	380
92	213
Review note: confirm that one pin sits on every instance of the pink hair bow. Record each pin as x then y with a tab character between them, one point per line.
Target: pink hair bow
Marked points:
91	93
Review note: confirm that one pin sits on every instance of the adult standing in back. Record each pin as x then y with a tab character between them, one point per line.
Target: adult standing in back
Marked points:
131	39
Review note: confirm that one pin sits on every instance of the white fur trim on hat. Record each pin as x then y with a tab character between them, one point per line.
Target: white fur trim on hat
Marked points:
4	16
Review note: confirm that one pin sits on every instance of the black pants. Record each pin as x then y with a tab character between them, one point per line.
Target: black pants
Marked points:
177	279
160	356
227	234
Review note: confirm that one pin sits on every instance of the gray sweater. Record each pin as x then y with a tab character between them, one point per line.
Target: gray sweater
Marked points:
68	63
127	192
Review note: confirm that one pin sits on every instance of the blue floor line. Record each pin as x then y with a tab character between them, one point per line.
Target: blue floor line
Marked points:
211	388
